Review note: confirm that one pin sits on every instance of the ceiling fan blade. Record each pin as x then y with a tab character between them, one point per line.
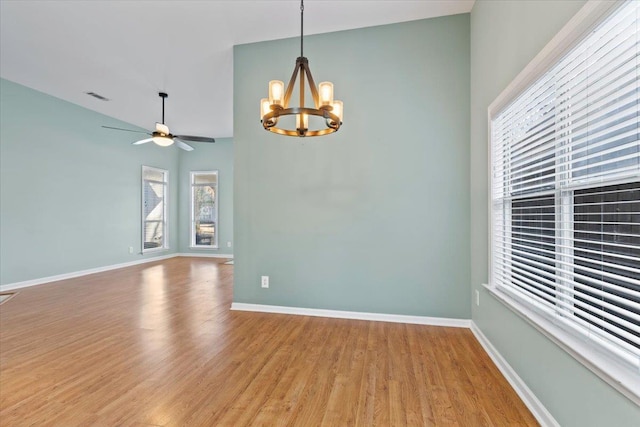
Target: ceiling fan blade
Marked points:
128	130
195	138
162	128
142	141
182	145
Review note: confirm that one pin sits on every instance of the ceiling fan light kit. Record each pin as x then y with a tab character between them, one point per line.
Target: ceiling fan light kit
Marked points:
277	105
163	137
162	140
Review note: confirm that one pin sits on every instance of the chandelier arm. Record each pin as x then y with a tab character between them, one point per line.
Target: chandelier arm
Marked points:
302	68
312	86
292	82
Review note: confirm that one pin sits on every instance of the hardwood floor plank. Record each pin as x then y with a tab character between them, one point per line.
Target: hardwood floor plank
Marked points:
367	381
156	345
382	409
418	366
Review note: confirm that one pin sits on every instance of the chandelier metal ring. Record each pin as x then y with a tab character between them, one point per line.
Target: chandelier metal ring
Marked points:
270	120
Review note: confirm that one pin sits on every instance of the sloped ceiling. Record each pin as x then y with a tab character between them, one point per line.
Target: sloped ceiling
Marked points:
127	51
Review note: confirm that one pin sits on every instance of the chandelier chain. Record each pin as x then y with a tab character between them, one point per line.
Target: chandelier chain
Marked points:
301	27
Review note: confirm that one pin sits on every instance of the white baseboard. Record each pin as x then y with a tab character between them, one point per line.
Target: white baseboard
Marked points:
536	407
205	255
43	280
356	315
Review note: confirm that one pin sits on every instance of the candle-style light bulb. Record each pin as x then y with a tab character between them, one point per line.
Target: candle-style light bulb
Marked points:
264	107
338	109
276	92
325	92
302	121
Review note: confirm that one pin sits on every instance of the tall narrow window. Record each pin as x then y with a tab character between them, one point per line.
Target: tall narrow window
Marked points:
204	209
154	209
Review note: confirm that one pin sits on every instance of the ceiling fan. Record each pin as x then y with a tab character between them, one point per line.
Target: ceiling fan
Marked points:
163	137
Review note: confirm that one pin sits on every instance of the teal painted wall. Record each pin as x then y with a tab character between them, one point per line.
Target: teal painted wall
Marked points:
70	191
505	37
217	156
374	218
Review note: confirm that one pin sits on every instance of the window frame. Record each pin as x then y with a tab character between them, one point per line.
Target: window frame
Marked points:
192	219
165	223
619	375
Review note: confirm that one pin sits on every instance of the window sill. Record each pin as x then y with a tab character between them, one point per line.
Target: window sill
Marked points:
618	375
154	250
206	248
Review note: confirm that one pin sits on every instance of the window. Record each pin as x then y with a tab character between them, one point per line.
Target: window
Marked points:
565	191
204	209
154	209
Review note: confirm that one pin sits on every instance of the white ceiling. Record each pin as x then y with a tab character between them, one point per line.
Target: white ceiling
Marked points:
130	50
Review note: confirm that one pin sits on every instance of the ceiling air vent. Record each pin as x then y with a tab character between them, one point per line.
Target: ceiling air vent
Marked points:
97	96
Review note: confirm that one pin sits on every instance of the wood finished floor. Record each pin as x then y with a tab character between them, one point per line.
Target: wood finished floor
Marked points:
156	345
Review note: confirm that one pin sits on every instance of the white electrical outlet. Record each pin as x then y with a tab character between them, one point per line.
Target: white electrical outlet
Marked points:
478	298
264	281
228	244
130	249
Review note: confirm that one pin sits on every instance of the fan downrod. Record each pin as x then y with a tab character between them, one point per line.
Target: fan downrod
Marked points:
163	95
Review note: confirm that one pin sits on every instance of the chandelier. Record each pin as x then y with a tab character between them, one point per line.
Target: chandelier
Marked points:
277	105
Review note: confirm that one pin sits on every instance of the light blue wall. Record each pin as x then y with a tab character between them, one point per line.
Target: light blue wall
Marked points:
375	217
70	191
505	36
217	156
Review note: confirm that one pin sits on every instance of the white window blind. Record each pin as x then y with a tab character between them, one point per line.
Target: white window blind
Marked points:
565	190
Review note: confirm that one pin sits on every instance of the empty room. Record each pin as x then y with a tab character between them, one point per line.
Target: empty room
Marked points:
320	213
